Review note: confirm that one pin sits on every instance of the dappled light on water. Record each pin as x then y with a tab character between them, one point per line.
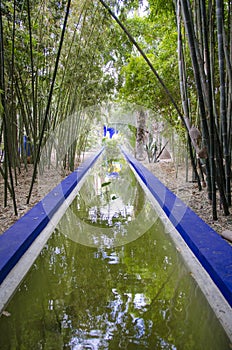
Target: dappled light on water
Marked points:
110	278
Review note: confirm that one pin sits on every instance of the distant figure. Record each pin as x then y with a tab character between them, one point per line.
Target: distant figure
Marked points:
27	149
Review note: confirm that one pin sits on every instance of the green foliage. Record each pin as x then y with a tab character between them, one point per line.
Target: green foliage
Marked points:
104	184
133	130
140	86
84	77
1	106
161	9
98	63
151	149
112	148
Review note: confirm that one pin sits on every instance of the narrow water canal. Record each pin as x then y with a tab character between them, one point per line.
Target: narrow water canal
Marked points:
110	278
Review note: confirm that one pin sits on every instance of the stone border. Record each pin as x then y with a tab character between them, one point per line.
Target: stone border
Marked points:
15	241
216	300
30	233
213	252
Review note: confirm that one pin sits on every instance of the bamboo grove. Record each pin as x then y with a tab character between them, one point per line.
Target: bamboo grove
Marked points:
61	58
51	67
207	26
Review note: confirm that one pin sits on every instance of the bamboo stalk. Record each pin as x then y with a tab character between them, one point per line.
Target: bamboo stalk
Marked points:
221	58
7	158
49	100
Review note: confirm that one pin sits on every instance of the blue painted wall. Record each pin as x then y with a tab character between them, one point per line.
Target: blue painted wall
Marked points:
17	239
213	252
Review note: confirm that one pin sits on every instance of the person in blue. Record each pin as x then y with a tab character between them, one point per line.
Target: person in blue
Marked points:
27	149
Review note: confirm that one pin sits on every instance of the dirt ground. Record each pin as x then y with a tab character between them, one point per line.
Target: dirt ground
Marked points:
174	178
42	186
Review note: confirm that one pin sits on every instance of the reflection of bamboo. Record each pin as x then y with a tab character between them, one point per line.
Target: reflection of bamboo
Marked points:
162	287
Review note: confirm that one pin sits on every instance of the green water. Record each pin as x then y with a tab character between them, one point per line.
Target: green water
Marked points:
87	290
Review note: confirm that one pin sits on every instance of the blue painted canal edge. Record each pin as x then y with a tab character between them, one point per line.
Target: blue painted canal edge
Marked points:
211	250
15	241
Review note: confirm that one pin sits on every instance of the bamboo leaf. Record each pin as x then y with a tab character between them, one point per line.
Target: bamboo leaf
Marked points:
106	184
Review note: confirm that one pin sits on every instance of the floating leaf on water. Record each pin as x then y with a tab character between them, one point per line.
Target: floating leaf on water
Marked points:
105	184
6	313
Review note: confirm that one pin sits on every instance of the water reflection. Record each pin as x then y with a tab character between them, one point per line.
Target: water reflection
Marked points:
106	297
109	206
129	297
109	210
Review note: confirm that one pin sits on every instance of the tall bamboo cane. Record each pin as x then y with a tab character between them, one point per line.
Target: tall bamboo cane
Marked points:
7	159
221	58
49	101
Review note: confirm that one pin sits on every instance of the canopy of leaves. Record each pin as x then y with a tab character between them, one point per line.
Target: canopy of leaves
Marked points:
140	86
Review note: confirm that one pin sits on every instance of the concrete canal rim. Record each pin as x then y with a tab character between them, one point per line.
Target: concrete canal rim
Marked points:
21	244
41	224
207	254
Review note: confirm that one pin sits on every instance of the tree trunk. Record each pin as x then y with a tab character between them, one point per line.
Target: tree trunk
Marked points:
202	106
7	158
141	133
49	101
223	119
185	97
